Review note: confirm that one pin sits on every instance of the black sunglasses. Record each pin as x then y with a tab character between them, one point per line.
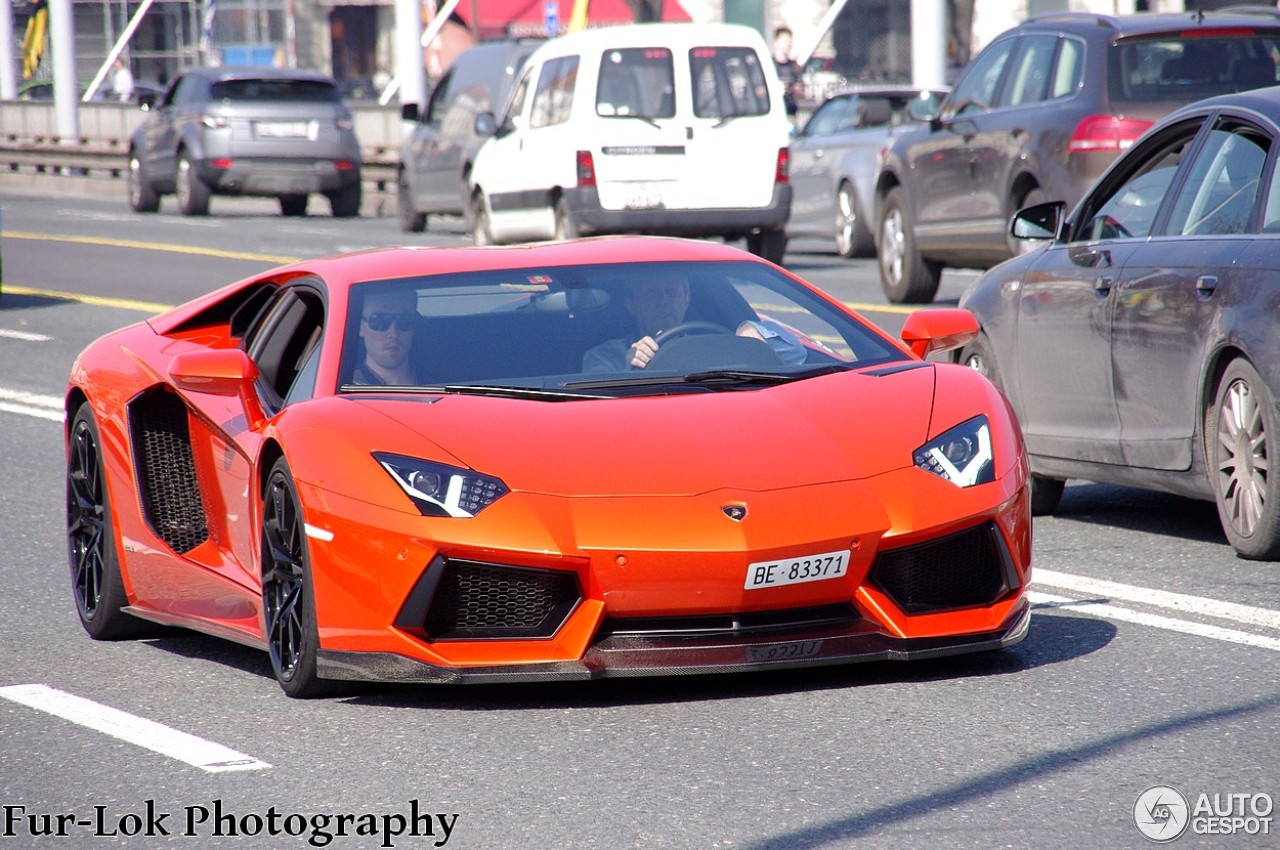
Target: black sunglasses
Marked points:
382	321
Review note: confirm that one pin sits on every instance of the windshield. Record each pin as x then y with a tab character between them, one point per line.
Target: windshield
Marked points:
602	330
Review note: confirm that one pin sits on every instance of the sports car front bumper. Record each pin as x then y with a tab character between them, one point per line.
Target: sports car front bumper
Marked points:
620	655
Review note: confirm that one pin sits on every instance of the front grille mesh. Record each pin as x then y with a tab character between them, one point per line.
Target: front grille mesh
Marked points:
959	571
167	483
486	601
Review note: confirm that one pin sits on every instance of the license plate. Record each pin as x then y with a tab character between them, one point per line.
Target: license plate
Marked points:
797	570
284	129
642	197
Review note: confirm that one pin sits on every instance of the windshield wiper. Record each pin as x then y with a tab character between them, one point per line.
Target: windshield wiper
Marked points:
534	393
711	378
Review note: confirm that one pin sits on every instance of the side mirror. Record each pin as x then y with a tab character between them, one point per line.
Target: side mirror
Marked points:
409	112
939	329
926	107
146	101
225	372
1042	221
485	124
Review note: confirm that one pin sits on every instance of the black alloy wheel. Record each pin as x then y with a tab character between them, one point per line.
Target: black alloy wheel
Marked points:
288	607
91	542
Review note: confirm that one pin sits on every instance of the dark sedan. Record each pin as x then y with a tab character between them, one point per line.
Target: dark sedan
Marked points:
1139	346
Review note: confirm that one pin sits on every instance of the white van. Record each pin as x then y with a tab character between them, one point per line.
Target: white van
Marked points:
671	129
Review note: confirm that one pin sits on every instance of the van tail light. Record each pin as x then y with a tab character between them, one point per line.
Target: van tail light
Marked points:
782	174
1106	133
586	169
344	165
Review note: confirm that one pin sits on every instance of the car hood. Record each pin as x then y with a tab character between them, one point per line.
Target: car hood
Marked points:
838	427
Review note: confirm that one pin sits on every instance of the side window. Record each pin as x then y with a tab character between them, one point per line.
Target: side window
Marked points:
1130	210
515	107
830	117
1221	188
976	90
727	82
636	81
1029	77
281	342
553	98
1067	73
439	100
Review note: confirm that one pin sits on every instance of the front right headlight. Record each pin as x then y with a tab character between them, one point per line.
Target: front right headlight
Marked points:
440	490
961	455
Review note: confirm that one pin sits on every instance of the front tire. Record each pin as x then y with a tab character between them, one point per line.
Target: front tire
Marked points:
481	234
905	276
411	221
288	600
193	193
1241	429
1046	493
91	541
142	198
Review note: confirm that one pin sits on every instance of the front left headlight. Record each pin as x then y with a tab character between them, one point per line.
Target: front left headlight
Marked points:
440	490
962	455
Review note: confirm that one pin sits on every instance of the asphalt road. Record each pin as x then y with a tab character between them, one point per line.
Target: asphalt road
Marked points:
1151	660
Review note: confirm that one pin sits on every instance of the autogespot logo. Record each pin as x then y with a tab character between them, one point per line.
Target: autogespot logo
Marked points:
1161	813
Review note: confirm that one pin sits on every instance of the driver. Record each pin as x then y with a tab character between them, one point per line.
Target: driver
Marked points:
658	302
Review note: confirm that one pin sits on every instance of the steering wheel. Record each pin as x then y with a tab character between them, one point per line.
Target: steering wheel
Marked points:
688	328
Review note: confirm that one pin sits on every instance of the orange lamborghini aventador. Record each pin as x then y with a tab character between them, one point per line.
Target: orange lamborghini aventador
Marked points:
610	457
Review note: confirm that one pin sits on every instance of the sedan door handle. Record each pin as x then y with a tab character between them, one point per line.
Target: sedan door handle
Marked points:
1206	284
1103	284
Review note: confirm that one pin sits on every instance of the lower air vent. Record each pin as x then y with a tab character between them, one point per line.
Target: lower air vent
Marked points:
475	600
759	622
962	570
167	483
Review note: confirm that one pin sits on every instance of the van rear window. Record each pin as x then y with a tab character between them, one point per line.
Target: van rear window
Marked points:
636	81
727	82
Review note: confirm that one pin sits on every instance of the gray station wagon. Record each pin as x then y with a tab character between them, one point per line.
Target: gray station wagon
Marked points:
246	131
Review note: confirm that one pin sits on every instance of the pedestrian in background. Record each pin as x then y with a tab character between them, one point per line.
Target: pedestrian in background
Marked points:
122	81
789	70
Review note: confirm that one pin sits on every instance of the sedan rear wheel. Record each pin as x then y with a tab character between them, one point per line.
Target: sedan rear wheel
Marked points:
288	603
853	237
1242	426
91	541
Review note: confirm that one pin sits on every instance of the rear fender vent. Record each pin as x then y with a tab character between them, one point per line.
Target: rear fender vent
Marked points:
964	570
167	484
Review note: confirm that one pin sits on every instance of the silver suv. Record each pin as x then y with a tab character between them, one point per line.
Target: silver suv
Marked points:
246	131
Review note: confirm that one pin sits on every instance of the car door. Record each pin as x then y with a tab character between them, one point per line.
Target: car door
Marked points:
945	165
814	157
1066	308
430	157
162	129
1168	301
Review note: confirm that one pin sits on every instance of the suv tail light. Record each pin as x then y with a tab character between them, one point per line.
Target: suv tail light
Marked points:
1106	133
782	174
586	169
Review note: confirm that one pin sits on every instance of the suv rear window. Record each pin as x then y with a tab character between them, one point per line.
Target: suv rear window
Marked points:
1177	69
293	91
727	82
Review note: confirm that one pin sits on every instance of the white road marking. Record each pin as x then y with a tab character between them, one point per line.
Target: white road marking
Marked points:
148	734
23	336
1199	605
31	404
1108	611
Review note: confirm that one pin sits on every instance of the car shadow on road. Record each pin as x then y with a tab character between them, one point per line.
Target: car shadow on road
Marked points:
1141	510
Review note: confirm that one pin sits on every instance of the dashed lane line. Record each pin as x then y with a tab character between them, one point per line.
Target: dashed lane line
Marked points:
139	731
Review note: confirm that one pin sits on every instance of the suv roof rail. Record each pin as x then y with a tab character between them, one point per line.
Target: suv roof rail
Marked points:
1268	11
1050	17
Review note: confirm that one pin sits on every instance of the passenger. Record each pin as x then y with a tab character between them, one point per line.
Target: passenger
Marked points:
388	321
658	303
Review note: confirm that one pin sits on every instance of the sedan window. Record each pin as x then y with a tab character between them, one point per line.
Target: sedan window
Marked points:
1219	193
1130	211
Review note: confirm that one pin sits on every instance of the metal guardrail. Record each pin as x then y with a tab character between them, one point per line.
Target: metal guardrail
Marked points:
30	144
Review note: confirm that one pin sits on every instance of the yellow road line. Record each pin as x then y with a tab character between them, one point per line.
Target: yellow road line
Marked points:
96	300
150	246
